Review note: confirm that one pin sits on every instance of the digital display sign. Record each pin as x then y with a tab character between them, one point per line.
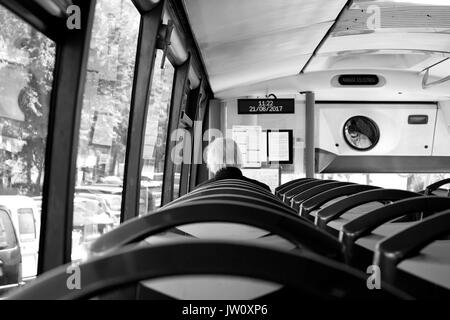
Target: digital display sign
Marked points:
358	80
266	106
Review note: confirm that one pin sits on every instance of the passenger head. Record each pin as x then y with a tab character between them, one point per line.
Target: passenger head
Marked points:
221	153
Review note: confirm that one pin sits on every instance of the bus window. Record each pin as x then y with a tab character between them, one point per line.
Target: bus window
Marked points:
27	59
154	153
104	121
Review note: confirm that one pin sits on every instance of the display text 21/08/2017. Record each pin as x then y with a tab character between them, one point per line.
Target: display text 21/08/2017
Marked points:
265	106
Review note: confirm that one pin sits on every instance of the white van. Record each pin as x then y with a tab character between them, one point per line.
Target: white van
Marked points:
26	220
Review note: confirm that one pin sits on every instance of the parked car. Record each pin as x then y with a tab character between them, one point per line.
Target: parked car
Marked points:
113	204
10	256
90	220
90	216
109	203
113	180
100	189
26	221
147	199
38	201
151	189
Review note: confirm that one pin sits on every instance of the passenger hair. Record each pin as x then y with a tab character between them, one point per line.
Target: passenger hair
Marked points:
221	153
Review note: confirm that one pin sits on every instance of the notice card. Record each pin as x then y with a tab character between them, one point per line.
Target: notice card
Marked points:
278	146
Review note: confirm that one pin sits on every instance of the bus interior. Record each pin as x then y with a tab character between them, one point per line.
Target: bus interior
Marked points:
340	107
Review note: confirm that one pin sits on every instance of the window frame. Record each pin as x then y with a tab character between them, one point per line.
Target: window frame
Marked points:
145	59
54	245
177	12
61	151
178	91
33	14
189	172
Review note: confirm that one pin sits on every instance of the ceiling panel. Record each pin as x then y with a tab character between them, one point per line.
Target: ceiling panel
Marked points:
387	34
259	59
378	59
244	41
432	42
371	16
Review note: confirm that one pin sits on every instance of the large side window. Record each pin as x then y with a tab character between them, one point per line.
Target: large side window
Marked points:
27	59
104	122
156	135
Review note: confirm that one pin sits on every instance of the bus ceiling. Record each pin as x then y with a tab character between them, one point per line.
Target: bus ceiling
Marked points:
302	47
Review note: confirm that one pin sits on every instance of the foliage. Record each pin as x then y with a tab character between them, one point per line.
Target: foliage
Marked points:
33	56
110	74
107	91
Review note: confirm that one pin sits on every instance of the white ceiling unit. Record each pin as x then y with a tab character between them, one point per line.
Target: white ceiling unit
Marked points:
408	35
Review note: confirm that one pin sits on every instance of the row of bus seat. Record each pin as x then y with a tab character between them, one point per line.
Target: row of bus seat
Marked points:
317	262
425	217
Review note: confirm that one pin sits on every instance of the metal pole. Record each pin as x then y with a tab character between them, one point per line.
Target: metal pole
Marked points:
309	134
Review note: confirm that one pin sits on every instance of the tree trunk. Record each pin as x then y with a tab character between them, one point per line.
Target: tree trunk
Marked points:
29	166
38	181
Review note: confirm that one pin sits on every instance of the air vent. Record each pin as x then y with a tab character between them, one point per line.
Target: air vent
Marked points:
358	80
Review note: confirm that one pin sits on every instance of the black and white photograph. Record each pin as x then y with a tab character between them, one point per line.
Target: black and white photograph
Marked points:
224	159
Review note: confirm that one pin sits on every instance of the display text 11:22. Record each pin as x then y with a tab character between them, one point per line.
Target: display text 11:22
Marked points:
266	106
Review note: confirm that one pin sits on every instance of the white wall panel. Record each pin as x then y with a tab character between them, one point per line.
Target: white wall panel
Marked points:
442	136
397	137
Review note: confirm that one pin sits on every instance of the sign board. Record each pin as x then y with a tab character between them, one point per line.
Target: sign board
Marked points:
279	146
266	106
252	145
